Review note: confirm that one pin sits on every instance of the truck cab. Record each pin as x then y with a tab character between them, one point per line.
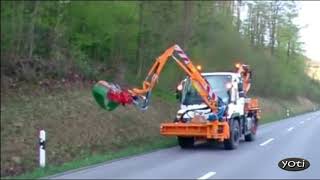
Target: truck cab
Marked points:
226	85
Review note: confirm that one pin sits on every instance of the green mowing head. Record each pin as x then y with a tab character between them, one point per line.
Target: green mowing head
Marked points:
100	95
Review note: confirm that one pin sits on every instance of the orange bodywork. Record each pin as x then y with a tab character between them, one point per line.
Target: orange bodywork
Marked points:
209	130
253	105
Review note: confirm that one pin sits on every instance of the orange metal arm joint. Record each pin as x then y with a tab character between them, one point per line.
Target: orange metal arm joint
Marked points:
200	84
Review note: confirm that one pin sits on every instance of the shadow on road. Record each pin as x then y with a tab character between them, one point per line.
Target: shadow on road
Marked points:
210	146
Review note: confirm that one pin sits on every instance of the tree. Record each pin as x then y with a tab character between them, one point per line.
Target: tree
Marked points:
140	39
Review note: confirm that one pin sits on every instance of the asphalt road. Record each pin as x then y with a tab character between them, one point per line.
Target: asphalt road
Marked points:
292	137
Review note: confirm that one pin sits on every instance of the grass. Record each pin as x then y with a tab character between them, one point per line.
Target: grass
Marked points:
274	109
76	127
96	159
157	143
170	97
69	117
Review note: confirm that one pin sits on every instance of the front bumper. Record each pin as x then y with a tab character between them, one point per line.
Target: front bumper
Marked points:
209	130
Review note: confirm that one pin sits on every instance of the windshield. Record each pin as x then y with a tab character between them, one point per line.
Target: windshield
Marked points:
218	84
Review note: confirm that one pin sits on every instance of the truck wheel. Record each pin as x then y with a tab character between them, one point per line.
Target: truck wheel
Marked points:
233	141
252	135
186	142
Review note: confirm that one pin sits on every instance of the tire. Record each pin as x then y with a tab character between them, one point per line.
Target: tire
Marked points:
186	142
233	141
252	135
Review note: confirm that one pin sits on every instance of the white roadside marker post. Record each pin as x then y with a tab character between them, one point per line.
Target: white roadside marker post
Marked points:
42	148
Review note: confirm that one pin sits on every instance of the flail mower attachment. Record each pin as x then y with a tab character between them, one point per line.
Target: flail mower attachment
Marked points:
109	96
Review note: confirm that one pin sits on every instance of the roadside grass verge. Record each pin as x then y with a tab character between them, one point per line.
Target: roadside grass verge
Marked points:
275	109
76	127
154	144
80	134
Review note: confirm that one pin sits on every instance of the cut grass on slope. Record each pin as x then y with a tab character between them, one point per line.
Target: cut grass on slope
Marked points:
76	127
81	134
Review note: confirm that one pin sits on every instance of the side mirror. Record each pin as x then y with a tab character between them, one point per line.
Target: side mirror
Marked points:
232	96
179	91
240	86
229	95
241	94
229	91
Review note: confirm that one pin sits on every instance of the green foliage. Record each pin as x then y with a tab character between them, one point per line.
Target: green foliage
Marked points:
108	38
120	40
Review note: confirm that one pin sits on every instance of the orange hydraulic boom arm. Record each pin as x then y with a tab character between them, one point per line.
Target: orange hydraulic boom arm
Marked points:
245	72
112	94
201	85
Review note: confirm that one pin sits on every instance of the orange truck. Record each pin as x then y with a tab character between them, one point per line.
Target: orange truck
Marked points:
213	106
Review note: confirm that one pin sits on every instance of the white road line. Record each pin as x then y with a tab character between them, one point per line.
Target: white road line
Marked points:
207	176
291	128
301	122
266	142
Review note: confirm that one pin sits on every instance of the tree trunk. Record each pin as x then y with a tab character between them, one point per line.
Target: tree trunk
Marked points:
275	7
187	18
31	30
288	49
140	42
272	36
239	14
57	34
251	25
19	36
231	10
